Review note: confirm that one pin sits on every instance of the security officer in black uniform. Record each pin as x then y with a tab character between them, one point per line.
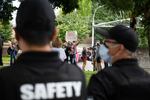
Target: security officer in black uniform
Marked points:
38	73
124	80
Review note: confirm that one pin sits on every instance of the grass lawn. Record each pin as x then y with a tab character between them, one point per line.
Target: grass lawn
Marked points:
88	74
6	60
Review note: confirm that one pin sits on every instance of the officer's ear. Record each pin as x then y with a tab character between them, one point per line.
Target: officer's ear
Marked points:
119	49
122	47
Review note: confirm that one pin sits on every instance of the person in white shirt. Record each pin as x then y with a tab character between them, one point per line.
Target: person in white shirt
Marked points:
57	46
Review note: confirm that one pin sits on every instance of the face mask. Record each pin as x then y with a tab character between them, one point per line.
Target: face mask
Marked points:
104	54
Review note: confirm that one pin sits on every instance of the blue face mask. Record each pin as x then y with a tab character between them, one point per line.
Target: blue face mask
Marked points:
104	54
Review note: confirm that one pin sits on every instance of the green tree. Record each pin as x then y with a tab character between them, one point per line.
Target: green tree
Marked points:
135	7
73	22
85	7
5	31
6	8
66	5
79	20
103	14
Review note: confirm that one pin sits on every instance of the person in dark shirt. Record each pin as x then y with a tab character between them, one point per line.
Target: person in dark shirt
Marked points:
12	51
84	57
98	57
38	73
124	80
73	52
68	51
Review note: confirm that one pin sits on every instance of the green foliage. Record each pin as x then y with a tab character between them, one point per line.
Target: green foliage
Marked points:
117	5
85	7
73	22
5	31
6	8
66	5
79	21
143	42
103	14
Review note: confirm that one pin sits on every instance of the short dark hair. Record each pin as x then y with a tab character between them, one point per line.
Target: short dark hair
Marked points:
35	21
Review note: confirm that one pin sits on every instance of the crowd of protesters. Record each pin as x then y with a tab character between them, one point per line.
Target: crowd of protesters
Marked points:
67	53
71	52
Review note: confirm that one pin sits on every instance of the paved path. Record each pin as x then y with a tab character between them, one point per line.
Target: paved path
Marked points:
89	66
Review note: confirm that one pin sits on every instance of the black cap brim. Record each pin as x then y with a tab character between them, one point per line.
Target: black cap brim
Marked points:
102	32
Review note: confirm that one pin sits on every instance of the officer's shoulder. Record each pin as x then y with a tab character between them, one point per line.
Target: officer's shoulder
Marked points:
72	69
107	72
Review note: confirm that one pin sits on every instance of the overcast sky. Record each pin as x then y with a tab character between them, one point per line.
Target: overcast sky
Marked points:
15	3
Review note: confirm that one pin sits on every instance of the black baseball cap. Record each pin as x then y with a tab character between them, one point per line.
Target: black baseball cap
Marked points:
35	16
121	34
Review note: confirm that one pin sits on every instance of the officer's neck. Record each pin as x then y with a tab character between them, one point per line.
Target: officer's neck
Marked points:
122	55
25	47
45	48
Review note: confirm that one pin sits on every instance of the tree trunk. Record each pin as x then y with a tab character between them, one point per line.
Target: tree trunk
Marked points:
148	38
147	26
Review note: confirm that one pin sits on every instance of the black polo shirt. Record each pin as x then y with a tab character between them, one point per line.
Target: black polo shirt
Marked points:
125	80
41	76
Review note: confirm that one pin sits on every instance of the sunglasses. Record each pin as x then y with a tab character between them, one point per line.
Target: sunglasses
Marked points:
110	41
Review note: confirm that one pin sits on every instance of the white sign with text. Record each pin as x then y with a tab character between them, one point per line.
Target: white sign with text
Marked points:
71	36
